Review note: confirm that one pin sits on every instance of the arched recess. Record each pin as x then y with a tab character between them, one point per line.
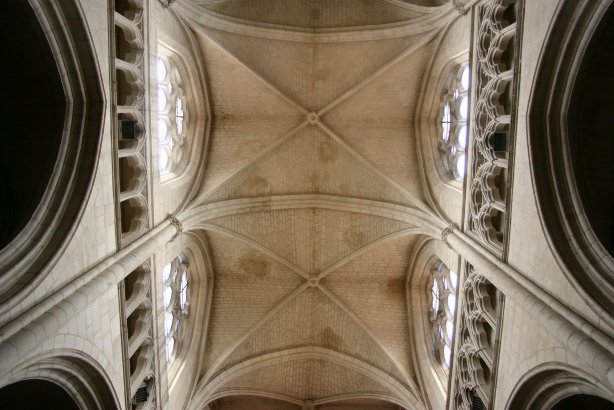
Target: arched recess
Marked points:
183	370
583	401
253	399
569	141
432	378
555	386
256	401
50	158
34	394
73	376
214	388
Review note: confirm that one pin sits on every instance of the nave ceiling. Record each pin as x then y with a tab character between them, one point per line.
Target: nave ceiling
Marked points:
309	300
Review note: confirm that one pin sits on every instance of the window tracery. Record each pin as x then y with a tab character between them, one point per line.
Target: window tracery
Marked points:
442	300
138	341
477	346
175	301
493	131
171	115
454	121
130	125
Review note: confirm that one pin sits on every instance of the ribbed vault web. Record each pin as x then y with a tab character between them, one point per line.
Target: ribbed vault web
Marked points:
309	303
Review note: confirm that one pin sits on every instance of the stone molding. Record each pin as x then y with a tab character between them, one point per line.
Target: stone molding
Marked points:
586	263
84	378
545	385
31	255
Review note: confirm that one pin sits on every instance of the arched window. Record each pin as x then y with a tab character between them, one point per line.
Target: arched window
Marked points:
171	115
442	290
175	301
453	125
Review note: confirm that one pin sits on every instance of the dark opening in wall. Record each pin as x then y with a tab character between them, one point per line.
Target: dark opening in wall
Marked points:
570	138
32	116
591	136
583	401
477	403
35	395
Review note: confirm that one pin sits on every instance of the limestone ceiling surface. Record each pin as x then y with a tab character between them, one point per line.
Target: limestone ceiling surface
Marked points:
309	302
319	13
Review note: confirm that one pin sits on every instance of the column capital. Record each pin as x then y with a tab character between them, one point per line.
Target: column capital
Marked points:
460	7
447	231
166	3
177	224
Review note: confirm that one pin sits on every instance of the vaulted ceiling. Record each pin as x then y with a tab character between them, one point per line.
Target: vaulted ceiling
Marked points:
313	103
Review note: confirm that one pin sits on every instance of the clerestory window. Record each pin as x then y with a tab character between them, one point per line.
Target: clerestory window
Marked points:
175	301
171	115
442	293
454	122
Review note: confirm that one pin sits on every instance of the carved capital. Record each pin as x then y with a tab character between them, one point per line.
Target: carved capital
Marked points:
460	7
446	232
177	224
166	3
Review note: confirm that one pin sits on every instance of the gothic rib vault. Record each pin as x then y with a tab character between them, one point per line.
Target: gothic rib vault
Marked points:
314	150
307	205
270	210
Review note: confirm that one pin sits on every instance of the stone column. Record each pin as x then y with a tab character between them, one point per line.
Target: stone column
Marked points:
590	344
30	328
